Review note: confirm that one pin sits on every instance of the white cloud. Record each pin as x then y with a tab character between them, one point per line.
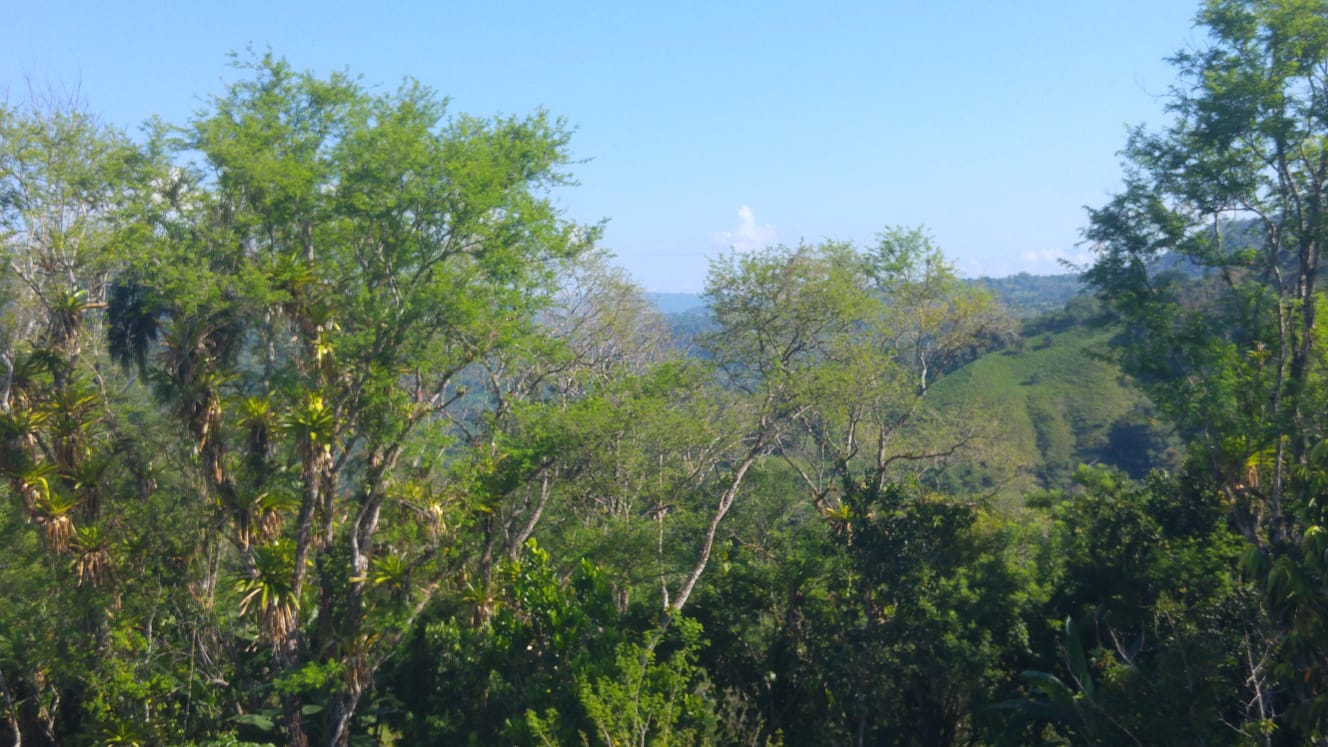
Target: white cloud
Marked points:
749	235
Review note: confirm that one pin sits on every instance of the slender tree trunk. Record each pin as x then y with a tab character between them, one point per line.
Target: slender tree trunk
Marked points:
287	652
341	708
11	711
293	711
721	510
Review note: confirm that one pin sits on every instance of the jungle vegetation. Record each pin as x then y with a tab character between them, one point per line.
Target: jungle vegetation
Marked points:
321	424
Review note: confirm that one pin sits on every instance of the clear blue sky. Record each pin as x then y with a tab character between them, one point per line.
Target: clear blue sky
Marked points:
706	124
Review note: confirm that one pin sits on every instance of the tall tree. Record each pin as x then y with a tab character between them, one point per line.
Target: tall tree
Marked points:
1236	191
312	310
86	577
841	345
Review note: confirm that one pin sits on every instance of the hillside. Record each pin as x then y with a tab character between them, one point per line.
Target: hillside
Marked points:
1029	295
1061	406
1061	402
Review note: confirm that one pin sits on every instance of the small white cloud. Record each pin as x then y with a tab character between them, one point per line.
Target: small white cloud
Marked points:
749	235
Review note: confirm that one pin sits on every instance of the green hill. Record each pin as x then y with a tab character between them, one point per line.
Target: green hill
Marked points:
1028	295
1059	405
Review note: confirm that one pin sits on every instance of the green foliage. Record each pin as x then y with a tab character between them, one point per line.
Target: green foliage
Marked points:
459	682
1049	424
1028	296
891	621
1069	706
392	455
647	702
334	263
1236	188
1158	617
100	569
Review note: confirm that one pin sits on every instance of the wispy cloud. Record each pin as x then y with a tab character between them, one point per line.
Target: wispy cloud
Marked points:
748	236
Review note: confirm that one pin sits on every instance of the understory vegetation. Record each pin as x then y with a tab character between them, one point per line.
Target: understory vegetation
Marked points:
321	424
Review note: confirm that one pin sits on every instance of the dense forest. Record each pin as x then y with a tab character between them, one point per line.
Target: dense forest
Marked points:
321	424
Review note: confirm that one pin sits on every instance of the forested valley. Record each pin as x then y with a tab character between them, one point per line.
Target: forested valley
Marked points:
320	423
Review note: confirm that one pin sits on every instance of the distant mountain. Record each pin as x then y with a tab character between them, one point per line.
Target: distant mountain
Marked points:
1025	295
676	303
1029	295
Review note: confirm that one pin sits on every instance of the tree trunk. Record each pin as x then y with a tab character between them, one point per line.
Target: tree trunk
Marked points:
340	708
293	711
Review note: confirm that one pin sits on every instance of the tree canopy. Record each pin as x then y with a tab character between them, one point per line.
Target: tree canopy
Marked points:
320	423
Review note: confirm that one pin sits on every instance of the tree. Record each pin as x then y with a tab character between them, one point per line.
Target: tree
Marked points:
835	349
938	322
93	624
1160	627
311	307
1235	192
841	346
597	331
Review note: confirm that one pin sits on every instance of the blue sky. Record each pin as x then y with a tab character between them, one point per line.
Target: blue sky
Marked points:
706	125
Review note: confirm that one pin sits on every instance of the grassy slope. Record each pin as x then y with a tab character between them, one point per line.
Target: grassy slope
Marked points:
1057	403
